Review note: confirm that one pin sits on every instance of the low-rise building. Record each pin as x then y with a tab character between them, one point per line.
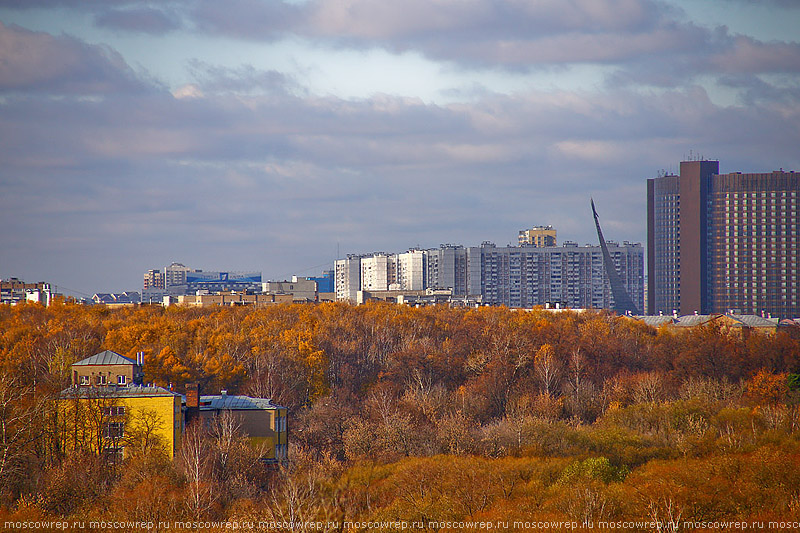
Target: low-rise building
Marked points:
263	422
122	299
300	289
177	279
233	299
107	368
108	411
731	321
14	291
324	282
113	421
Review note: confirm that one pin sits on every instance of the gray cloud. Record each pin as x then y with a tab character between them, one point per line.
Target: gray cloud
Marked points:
244	169
144	20
778	3
232	178
506	32
748	55
754	90
512	34
246	19
33	61
76	4
374	20
242	80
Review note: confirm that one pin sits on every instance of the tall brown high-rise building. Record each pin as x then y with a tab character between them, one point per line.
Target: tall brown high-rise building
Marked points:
721	242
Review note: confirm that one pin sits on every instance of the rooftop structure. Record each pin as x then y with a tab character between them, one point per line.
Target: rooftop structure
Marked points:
540	236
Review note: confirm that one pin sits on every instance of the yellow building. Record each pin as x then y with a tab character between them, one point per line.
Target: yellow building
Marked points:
119	421
108	411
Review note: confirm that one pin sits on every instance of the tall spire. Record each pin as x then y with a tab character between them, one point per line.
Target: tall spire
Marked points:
622	300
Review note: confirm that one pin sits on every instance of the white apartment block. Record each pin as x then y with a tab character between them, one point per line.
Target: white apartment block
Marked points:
410	271
378	272
175	274
347	278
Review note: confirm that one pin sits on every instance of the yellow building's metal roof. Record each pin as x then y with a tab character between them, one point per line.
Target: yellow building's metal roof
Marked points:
106	357
113	391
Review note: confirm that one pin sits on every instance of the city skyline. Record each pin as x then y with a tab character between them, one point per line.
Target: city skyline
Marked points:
277	136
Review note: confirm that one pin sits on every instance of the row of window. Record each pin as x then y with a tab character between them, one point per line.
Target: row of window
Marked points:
772	194
102	379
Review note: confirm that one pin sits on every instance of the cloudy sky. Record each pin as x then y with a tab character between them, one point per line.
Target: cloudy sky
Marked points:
271	135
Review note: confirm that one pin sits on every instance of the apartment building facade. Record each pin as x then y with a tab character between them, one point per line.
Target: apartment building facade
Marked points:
724	242
515	276
570	275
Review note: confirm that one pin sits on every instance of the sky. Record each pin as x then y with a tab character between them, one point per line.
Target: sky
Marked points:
278	135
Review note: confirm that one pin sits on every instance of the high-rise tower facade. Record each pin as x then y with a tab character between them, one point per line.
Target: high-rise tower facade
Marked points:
720	242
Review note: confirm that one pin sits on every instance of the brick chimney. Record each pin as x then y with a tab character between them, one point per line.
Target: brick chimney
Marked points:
193	395
192	401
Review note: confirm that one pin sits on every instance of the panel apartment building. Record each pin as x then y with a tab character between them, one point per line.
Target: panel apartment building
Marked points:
515	276
379	272
723	242
570	275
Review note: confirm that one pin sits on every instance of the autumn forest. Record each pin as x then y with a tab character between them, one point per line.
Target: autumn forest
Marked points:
418	415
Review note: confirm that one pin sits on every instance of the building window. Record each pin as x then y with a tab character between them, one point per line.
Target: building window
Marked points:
114	410
101	379
114	430
121	380
281	451
85	380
